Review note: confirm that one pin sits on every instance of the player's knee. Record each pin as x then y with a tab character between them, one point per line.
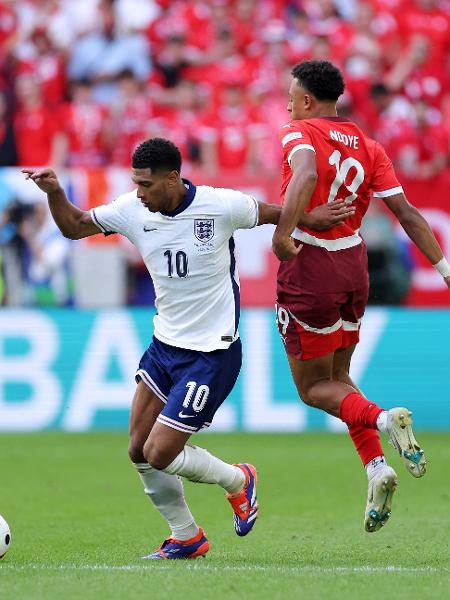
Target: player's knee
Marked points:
306	398
136	452
304	393
155	456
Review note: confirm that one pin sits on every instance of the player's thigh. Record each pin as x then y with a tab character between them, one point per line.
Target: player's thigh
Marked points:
154	369
310	323
352	312
153	387
203	380
145	409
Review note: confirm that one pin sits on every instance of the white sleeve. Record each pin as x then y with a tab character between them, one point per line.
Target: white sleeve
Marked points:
244	211
113	218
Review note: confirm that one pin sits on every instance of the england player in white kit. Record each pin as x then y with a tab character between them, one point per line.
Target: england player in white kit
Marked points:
185	236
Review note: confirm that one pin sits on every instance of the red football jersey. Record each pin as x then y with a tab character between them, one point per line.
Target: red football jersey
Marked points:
231	130
84	125
350	166
34	129
130	122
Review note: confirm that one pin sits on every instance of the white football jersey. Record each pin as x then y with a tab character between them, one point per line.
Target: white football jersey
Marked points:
189	254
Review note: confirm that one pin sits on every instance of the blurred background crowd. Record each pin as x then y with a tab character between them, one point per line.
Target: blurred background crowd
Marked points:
83	81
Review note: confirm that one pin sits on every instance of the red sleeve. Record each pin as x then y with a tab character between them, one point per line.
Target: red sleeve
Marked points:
384	180
295	136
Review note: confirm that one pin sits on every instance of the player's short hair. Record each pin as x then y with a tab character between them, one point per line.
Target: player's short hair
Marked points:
321	78
158	155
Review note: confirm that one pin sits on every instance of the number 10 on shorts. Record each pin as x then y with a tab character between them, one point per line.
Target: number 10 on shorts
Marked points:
200	398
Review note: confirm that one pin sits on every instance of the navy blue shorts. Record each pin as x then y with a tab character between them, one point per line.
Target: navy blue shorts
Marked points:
191	384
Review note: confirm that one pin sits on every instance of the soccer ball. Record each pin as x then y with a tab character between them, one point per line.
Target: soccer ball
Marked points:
5	537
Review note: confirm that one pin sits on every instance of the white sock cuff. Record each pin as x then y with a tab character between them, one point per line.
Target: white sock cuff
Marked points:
143	467
382	421
176	465
377	463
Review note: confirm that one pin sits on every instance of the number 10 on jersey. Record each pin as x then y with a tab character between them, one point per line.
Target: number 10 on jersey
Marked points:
342	170
180	263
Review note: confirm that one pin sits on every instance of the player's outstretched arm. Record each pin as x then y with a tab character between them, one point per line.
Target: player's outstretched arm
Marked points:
417	228
72	222
319	218
268	213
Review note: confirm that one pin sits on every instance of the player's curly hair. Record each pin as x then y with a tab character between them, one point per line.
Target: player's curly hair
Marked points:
321	78
158	155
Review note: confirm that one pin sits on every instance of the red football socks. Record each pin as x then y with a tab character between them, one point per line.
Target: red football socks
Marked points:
355	410
367	443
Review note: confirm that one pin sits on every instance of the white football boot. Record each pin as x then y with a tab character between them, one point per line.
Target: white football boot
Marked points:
379	499
399	430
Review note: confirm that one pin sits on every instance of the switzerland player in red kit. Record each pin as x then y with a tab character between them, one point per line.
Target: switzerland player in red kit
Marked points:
323	280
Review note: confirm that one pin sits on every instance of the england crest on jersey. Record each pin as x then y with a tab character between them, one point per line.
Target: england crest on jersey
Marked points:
204	229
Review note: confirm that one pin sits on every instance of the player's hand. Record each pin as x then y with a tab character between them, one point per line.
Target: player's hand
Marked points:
447	281
328	215
284	247
45	179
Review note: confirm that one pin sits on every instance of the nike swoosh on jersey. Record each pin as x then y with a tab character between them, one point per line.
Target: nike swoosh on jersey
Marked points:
150	228
183	416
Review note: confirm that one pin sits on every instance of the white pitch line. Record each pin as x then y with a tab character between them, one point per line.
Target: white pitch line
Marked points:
151	566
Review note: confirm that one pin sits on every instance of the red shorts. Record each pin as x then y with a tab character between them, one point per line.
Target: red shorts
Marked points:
321	298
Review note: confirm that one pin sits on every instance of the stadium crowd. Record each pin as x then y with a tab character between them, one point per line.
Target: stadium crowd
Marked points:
81	81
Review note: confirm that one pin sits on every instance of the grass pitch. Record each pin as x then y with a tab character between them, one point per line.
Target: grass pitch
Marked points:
80	523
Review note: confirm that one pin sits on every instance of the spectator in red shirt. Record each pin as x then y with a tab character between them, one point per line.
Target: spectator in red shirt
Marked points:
274	57
424	17
384	24
36	130
131	114
271	108
389	116
326	22
422	151
417	74
363	39
193	17
230	135
225	63
171	21
182	123
84	123
41	58
299	35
